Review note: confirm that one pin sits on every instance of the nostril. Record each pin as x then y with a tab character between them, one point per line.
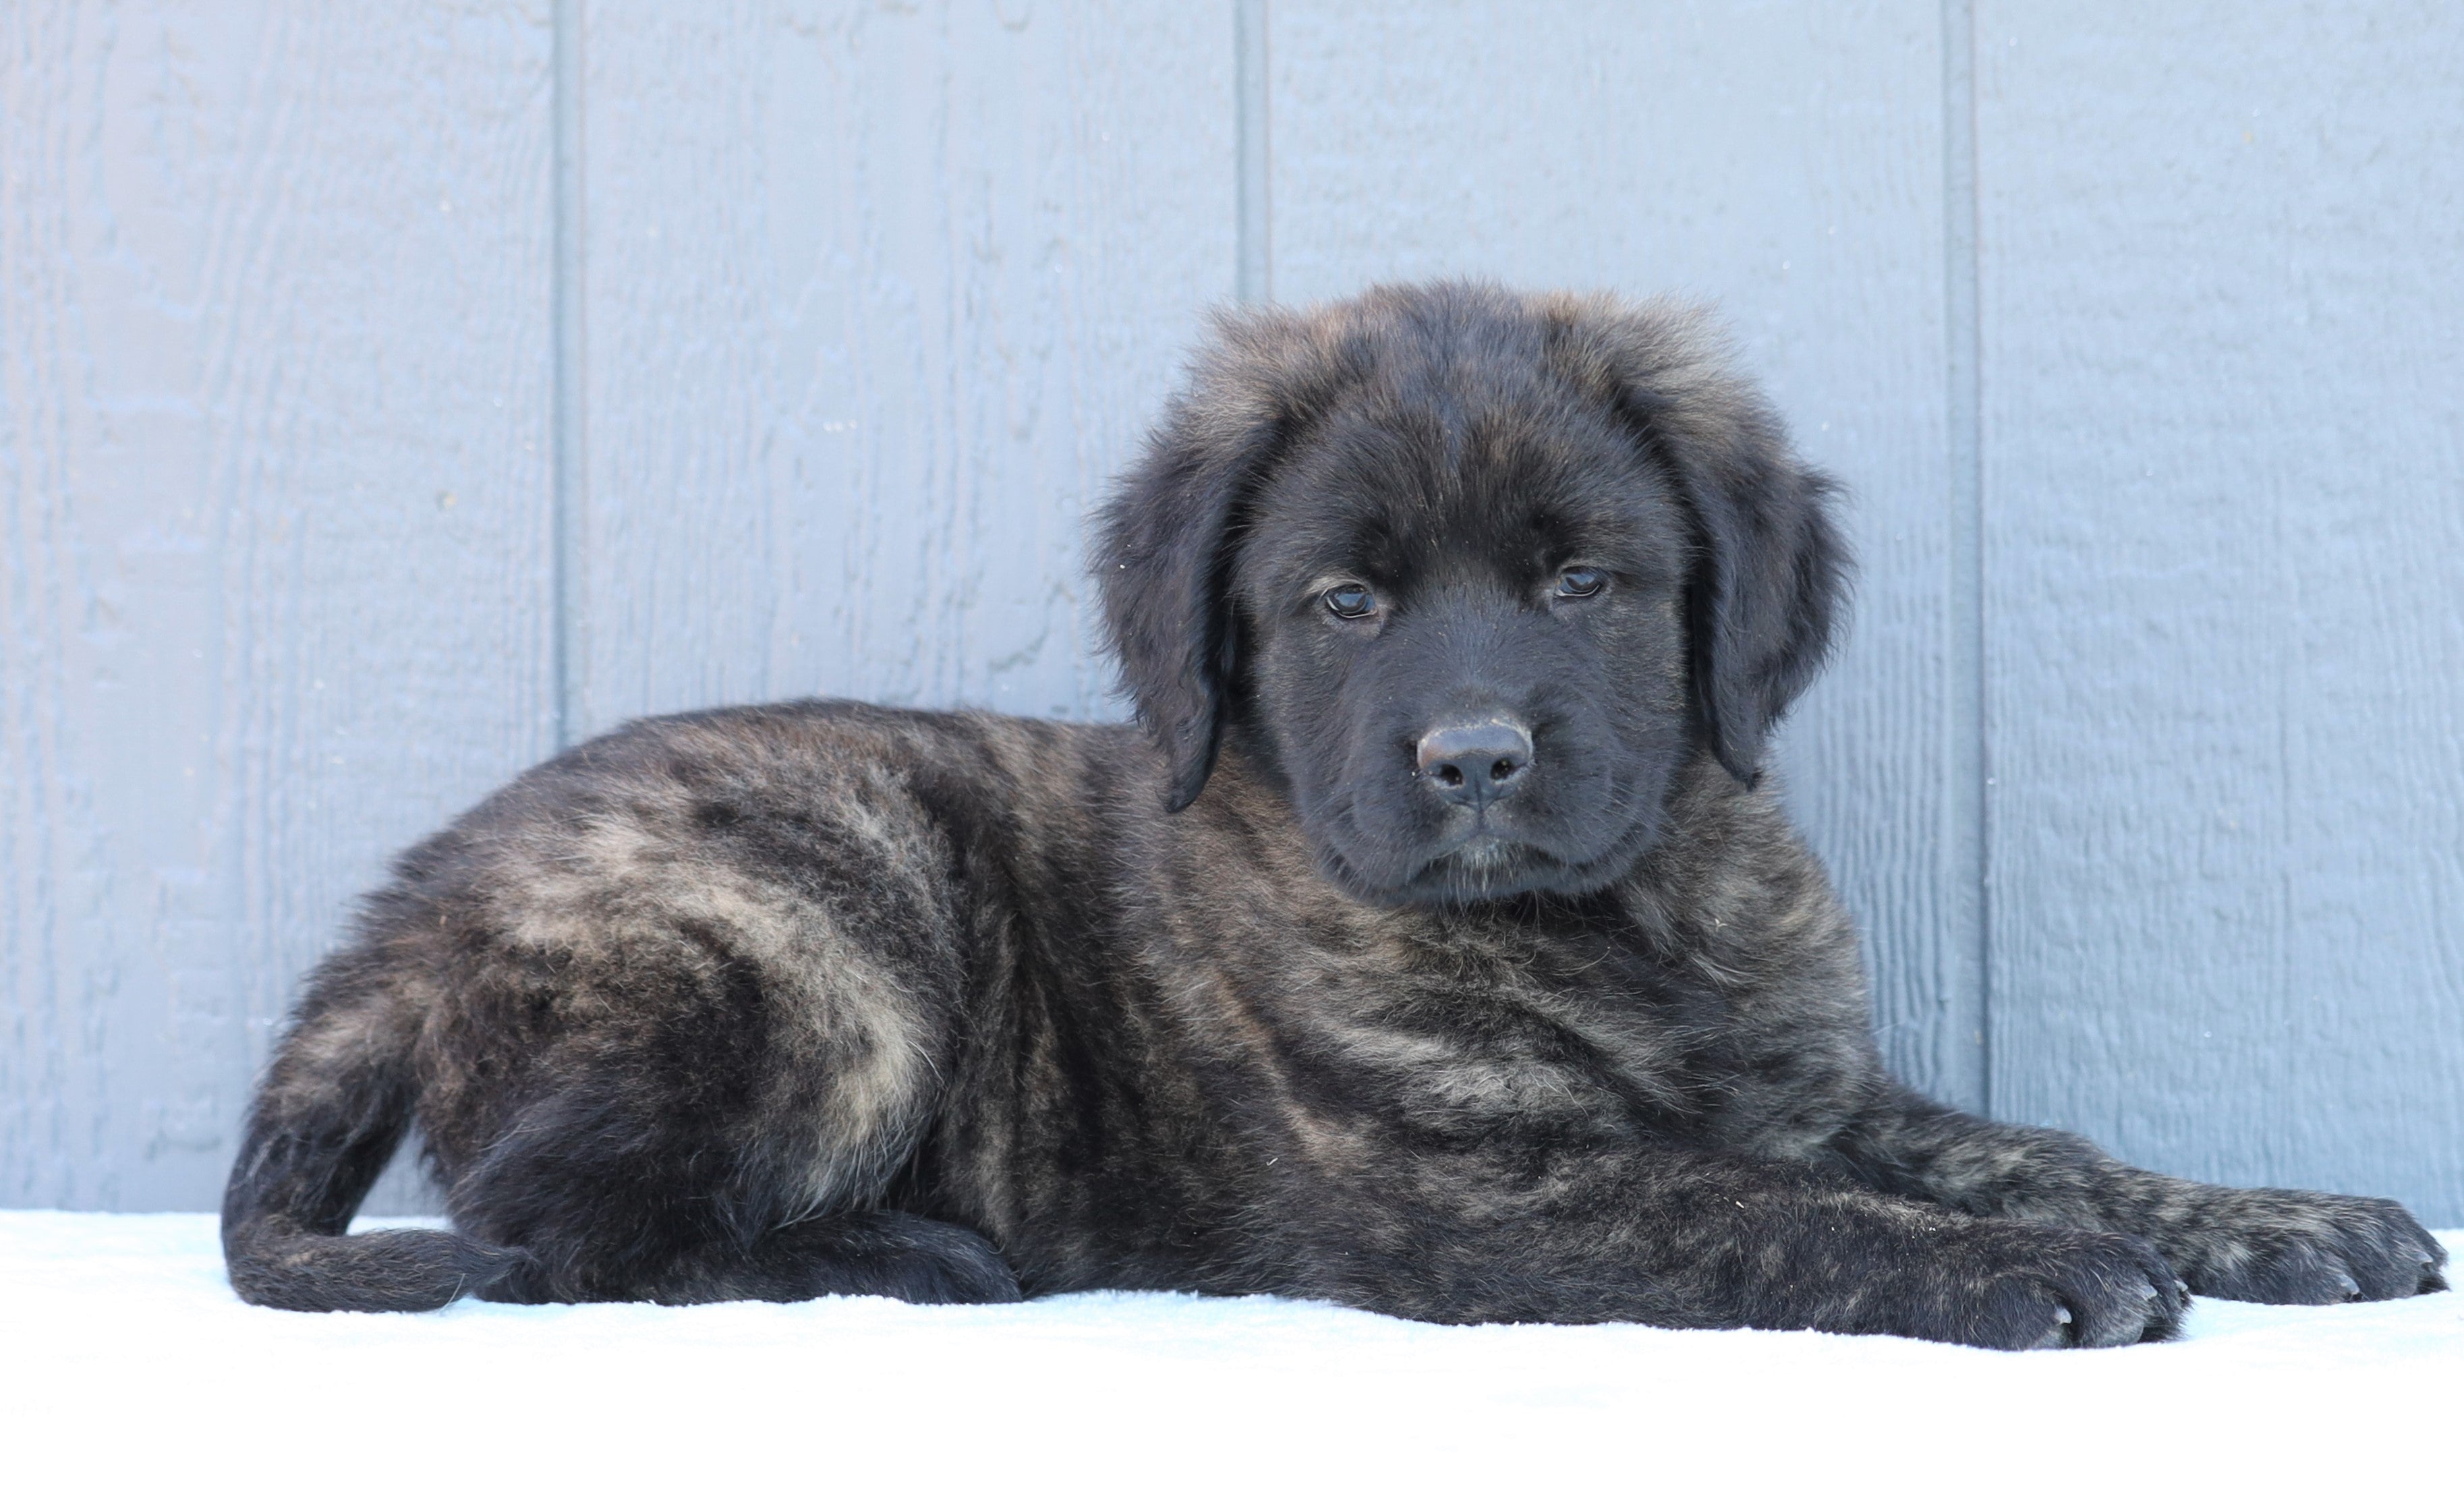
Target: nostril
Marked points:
1502	769
1449	776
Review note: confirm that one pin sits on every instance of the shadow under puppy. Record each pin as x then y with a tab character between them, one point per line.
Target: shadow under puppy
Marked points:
1435	947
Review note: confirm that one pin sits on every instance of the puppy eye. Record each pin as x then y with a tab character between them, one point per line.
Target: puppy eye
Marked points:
1580	583
1351	601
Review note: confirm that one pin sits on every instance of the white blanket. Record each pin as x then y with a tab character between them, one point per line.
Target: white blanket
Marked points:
124	1356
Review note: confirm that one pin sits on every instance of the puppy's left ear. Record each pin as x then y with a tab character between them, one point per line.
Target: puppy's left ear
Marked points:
1770	569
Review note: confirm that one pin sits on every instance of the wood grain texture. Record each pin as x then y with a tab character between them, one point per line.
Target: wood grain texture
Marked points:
2224	484
273	435
869	301
1785	162
877	300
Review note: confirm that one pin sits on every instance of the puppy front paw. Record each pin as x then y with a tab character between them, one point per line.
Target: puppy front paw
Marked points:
2016	1287
2287	1248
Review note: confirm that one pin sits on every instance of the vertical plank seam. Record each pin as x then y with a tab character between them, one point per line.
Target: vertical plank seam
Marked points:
1968	967
569	663
1253	278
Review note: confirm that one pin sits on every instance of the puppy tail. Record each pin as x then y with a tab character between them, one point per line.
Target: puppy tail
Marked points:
333	1107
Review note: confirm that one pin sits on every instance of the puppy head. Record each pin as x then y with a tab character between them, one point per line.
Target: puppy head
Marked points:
1475	572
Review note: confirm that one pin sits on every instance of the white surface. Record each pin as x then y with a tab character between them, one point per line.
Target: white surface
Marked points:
124	1355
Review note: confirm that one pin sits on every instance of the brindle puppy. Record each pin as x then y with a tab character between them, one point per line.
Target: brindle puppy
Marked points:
1438	948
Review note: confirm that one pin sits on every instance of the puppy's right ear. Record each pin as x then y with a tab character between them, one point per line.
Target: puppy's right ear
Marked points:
1164	546
1162	556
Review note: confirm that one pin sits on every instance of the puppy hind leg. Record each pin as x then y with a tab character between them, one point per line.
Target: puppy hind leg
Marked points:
606	1200
732	1149
896	1255
607	1212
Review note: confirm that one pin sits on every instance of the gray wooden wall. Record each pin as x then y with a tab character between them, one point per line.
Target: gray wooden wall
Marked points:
390	392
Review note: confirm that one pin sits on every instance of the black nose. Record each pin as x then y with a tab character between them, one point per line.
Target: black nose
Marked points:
1475	763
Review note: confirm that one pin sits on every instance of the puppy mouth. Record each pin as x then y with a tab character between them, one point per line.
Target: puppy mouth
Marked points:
1481	860
1481	863
1486	865
1485	850
1484	844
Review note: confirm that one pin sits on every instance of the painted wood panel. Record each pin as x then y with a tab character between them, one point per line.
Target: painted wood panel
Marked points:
1785	162
867	302
877	300
274	403
2224	495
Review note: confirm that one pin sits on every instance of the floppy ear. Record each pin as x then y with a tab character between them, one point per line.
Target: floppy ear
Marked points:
1770	569
1163	555
1164	546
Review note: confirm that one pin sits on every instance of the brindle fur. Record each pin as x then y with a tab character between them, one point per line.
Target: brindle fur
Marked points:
775	1002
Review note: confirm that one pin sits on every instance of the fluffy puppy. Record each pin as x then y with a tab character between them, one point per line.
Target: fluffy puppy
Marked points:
1435	946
